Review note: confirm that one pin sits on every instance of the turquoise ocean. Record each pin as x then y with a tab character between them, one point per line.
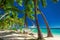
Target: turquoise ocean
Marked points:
55	31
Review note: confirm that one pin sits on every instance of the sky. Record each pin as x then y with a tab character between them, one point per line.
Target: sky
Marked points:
52	14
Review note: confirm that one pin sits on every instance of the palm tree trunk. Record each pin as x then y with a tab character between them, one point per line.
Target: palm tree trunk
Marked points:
26	25
40	37
47	25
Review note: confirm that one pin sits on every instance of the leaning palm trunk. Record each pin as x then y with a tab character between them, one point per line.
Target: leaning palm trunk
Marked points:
47	25
40	37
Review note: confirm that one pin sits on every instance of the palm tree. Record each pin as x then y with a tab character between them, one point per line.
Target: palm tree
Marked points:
47	25
20	2
44	18
40	37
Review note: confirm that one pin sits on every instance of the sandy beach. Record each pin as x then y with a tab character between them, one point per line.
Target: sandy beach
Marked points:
55	37
6	35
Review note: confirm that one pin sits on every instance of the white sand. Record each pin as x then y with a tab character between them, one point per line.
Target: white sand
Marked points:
27	36
56	37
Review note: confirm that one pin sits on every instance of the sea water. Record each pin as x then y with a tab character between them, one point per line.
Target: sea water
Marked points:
44	30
